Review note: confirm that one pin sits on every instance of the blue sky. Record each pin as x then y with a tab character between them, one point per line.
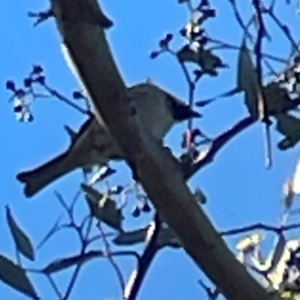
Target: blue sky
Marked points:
239	189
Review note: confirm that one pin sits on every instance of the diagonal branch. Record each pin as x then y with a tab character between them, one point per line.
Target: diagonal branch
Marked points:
217	145
80	24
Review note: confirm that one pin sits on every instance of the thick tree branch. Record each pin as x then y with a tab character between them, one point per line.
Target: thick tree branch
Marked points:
80	25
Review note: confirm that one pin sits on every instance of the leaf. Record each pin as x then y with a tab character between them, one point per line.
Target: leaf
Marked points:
102	173
246	73
65	263
103	207
277	275
296	179
278	99
289	126
15	276
131	238
167	237
241	257
247	81
22	242
248	242
232	92
289	194
205	59
278	252
289	295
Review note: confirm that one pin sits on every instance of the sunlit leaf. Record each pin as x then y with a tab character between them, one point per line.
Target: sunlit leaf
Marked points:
65	263
290	295
296	179
15	276
22	241
278	252
277	275
100	174
289	126
103	207
241	257
258	256
248	242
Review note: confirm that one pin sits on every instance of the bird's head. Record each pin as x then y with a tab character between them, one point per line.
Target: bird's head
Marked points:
158	110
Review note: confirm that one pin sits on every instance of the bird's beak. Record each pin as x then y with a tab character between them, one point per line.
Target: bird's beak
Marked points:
181	111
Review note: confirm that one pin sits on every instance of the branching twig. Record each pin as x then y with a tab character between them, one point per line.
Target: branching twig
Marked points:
60	97
217	144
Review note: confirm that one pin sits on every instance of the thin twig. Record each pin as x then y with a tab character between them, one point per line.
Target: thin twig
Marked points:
240	21
238	48
62	98
260	226
110	258
284	29
217	144
132	289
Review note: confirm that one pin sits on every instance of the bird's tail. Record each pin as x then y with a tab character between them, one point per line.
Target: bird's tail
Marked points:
37	179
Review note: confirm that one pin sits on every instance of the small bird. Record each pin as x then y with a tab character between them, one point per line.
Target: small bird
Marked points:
156	110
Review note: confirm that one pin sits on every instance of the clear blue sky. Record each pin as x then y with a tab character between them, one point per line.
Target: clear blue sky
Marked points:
240	190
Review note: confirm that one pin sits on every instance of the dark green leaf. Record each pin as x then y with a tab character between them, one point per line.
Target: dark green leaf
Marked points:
229	93
65	263
15	276
289	126
103	208
131	238
167	237
22	242
205	59
247	81
278	99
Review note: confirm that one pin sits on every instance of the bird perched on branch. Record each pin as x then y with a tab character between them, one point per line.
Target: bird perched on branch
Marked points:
156	109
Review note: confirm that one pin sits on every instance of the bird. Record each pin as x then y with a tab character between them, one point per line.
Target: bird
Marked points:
156	109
